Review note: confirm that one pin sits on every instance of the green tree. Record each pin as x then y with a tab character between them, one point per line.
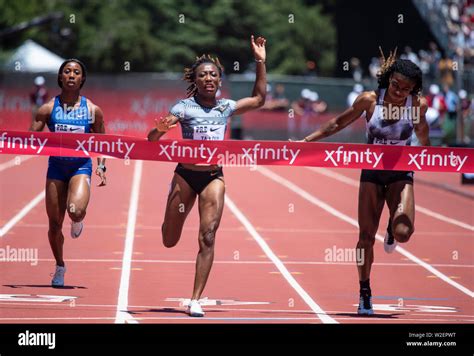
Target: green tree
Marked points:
166	35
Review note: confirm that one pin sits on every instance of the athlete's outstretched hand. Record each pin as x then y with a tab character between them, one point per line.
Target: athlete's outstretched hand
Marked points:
164	124
258	48
103	178
297	140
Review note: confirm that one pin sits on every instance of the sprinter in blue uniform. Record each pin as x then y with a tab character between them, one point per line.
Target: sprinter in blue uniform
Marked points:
203	117
68	178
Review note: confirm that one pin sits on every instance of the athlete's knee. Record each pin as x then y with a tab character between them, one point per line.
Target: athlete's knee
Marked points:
169	242
402	232
207	234
55	226
366	239
76	213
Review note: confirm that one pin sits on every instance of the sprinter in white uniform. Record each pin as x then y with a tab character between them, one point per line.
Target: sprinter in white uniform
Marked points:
391	113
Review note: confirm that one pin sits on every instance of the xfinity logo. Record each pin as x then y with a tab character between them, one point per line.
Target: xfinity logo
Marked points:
439	160
105	147
250	155
339	156
23	143
173	150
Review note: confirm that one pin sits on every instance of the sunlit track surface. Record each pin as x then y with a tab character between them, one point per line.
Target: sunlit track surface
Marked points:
279	252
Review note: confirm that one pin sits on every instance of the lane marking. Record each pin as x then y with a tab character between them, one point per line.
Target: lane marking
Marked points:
386	264
122	316
372	319
213	302
355	183
413	308
277	262
260	229
21	214
12	163
35	298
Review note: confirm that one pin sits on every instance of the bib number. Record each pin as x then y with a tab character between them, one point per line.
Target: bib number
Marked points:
383	141
209	132
68	128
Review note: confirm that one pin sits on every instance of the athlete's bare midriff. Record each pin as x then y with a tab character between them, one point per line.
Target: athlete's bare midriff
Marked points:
200	168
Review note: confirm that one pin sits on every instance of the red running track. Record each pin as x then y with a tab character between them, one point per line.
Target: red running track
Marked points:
277	255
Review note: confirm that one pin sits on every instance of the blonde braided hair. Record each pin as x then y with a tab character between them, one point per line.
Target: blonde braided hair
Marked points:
388	62
405	67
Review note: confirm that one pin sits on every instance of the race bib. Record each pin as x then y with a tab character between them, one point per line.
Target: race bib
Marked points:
68	128
383	141
209	132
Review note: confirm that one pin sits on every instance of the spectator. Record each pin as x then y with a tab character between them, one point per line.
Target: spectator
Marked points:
358	88
466	115
449	122
39	95
276	100
305	109
434	58
445	67
374	67
356	69
409	54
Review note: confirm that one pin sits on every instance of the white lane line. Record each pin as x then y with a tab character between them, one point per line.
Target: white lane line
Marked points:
312	199
181	319
122	316
135	261
14	162
355	183
441	217
281	267
227	308
261	229
21	214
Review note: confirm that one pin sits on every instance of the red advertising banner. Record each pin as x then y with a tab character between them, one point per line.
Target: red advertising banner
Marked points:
241	153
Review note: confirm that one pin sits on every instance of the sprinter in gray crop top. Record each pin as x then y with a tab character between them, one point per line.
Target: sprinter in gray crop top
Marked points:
203	117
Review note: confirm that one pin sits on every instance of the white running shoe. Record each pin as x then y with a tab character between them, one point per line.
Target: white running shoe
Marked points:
58	279
389	242
194	309
76	229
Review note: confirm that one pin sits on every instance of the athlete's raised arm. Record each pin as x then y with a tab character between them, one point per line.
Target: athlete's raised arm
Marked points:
260	88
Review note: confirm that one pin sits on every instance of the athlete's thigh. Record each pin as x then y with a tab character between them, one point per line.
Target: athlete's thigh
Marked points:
55	199
180	201
79	192
371	202
401	202
211	204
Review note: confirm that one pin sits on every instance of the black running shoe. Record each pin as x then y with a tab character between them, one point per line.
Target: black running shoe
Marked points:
365	303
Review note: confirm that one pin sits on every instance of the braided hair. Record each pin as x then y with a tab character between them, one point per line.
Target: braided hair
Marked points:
190	73
83	67
405	67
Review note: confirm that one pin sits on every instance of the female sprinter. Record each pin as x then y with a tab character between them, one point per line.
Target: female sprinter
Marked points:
203	117
399	87
68	178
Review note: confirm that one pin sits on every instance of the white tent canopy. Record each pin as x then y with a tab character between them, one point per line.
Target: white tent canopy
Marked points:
31	57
